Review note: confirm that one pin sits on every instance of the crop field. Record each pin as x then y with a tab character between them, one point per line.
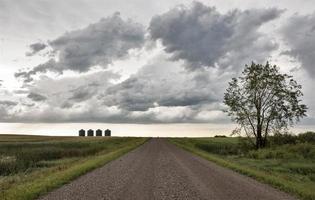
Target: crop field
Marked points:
33	165
289	167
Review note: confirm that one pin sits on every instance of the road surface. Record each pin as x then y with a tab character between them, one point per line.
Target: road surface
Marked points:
160	170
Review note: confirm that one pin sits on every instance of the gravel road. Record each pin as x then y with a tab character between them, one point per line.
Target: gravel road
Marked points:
160	170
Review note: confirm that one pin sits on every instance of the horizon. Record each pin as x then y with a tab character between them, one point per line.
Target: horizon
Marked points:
132	130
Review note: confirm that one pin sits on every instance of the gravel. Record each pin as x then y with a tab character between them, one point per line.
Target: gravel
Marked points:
160	170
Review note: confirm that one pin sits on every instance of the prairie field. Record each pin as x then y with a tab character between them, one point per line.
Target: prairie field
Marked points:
289	166
33	165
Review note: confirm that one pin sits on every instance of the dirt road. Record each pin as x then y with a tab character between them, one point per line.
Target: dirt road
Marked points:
160	170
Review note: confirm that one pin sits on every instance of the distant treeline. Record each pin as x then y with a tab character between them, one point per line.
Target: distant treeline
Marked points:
220	136
281	139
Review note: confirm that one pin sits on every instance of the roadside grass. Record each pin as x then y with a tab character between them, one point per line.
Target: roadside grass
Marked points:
290	168
16	157
51	164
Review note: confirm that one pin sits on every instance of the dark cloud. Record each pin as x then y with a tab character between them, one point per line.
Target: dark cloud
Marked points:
80	95
36	47
50	65
66	105
162	84
213	45
36	97
139	94
69	92
8	103
299	32
129	95
96	45
25	75
202	36
160	92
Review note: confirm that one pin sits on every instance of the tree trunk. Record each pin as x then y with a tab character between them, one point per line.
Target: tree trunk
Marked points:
264	142
259	138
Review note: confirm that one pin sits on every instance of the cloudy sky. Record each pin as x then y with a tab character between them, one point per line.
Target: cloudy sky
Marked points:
140	63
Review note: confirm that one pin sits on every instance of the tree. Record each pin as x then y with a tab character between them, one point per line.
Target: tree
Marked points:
263	100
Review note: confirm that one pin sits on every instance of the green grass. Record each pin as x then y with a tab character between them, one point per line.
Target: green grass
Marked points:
33	166
290	168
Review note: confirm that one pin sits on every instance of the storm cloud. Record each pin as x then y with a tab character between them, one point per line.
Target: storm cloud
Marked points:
172	69
36	97
36	47
164	84
8	103
98	44
299	33
202	36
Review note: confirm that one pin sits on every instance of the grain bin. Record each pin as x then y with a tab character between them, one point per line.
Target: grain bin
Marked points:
90	132
82	133
107	132
98	132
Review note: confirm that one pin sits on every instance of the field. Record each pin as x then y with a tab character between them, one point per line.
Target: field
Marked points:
289	167
33	165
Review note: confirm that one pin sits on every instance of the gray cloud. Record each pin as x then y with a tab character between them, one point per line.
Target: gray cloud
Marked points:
96	45
36	97
213	45
5	109
160	92
202	36
50	65
129	95
66	105
81	94
69	92
28	104
299	32
161	84
8	103
36	47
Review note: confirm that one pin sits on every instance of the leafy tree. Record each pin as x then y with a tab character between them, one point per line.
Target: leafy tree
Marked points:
263	100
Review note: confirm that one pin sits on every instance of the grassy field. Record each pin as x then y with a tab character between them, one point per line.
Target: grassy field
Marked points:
31	166
289	167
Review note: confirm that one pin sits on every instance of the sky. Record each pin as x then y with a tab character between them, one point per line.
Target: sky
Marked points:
142	67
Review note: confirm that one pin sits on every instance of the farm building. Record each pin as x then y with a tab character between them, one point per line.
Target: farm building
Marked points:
90	132
98	132
82	133
107	132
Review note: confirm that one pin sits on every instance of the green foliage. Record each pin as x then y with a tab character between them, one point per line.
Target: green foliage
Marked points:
281	139
308	137
244	145
218	148
223	145
298	151
312	177
263	100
